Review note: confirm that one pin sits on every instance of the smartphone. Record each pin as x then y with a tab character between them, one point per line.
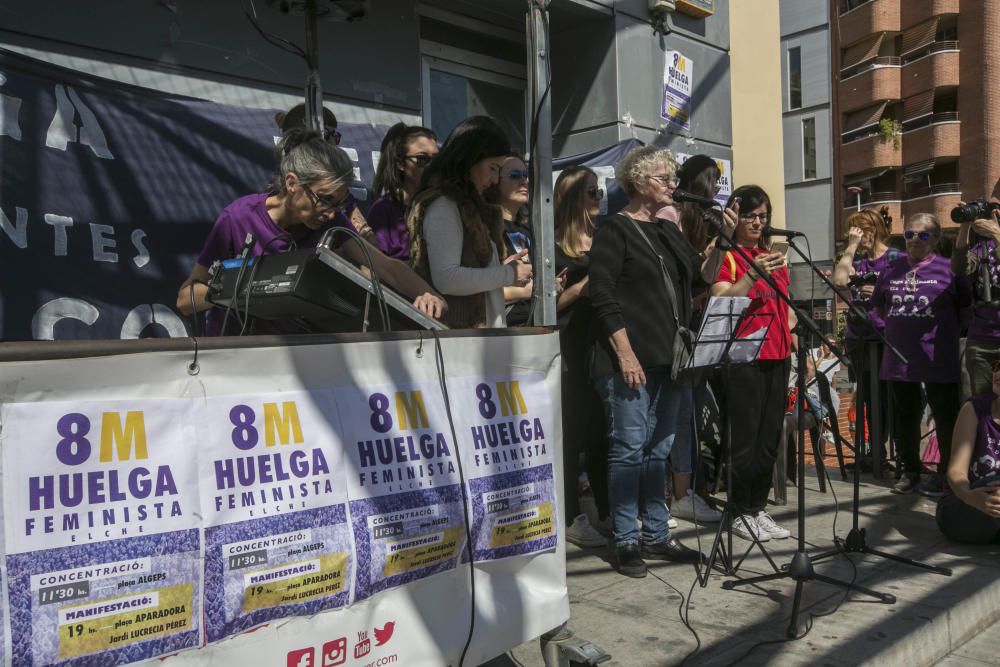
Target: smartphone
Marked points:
780	246
983	481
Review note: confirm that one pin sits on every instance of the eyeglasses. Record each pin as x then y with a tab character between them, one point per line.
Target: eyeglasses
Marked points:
421	160
596	193
326	202
909	234
518	175
750	217
669	181
331	135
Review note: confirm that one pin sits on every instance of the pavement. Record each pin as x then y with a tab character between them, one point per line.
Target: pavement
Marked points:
935	618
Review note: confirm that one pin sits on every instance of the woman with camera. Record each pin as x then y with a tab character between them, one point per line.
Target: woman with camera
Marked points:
922	303
970	511
864	259
977	255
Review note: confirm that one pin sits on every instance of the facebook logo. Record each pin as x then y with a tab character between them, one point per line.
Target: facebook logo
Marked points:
303	657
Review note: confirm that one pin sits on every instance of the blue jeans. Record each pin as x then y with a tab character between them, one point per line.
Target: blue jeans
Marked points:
641	429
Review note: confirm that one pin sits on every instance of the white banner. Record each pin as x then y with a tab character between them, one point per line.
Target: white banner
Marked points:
313	494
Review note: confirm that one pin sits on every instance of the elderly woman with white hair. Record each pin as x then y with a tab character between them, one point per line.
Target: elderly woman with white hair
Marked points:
641	273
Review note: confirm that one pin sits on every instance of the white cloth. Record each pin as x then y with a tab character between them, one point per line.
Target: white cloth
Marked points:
443	239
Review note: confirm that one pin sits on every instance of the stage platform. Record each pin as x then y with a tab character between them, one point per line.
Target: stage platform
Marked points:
637	622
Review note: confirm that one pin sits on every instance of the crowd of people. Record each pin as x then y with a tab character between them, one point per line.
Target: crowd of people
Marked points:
449	229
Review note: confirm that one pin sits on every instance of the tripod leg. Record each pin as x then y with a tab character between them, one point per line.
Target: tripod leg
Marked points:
884	597
731	584
946	571
793	623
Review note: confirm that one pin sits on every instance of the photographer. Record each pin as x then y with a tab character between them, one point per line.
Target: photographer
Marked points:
977	255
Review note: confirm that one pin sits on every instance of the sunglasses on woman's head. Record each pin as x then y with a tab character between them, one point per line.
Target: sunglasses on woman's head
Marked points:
923	236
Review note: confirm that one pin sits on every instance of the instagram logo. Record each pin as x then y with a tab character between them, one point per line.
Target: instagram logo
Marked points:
335	652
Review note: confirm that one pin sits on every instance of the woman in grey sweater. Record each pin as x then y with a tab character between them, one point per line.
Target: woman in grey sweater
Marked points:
456	237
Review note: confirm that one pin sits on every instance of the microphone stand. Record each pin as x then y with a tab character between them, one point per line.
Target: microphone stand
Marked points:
856	541
801	568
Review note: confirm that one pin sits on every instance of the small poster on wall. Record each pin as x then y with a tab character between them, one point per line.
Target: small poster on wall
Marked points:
675	107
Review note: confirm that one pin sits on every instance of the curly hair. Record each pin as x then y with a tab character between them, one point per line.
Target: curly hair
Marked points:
639	164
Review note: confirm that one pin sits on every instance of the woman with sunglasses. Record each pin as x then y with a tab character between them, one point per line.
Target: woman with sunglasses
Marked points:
511	194
405	153
309	189
969	512
756	393
456	237
923	304
866	256
295	118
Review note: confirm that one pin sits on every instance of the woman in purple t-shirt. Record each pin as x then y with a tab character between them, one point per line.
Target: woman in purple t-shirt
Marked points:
406	150
864	259
971	512
309	189
923	304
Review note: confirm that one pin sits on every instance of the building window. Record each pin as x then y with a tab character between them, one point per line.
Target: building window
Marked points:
794	78
809	148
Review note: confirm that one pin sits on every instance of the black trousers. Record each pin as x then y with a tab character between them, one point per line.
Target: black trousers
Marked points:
755	401
907	409
964	523
861	373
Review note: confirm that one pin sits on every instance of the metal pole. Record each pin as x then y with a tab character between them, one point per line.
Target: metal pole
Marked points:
314	91
540	138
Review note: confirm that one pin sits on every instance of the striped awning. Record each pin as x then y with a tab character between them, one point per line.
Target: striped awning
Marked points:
919	36
917	170
862	51
863	176
863	117
918	105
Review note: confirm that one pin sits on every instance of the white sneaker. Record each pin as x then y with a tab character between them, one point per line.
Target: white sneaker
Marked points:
768	526
692	505
740	528
672	523
582	534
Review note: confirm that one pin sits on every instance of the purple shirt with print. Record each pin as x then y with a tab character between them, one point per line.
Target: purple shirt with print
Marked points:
986	452
921	307
985	324
387	218
863	330
249	215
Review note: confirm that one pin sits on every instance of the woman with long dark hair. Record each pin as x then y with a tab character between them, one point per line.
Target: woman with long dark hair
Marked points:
309	190
456	237
405	152
923	304
756	392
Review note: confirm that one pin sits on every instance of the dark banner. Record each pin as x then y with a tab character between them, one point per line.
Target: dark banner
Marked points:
108	191
603	163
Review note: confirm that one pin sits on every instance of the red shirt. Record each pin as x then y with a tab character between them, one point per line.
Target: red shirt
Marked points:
766	309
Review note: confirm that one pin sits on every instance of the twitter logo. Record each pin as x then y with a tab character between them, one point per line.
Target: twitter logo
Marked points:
384	634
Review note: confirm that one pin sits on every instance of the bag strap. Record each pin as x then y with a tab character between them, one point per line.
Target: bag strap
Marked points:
671	294
732	263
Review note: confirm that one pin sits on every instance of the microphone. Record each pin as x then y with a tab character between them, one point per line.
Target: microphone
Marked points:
787	233
683	196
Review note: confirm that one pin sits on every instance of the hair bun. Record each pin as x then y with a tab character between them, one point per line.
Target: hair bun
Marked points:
295	137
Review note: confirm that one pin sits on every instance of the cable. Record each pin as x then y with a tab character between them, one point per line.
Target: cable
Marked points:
376	282
443	380
280	42
195	317
248	244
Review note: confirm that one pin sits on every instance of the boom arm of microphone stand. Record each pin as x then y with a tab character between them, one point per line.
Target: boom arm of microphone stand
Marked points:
849	300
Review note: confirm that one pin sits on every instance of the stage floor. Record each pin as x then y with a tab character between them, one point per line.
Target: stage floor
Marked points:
637	622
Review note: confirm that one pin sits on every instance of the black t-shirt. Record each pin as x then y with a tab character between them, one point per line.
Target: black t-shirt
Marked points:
627	290
515	237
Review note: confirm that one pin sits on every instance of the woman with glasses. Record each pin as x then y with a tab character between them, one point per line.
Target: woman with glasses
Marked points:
970	509
923	304
456	237
405	153
309	190
641	273
295	118
864	259
511	194
756	392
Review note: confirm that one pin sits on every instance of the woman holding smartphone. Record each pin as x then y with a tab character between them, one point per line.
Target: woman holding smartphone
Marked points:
757	416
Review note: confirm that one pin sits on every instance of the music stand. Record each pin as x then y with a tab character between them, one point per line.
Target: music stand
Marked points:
719	345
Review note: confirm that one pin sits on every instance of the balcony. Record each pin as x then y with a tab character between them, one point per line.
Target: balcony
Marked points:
871	152
937	199
867	19
933	67
914	13
877	200
881	82
938	137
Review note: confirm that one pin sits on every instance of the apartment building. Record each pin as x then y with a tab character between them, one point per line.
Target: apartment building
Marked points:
916	111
